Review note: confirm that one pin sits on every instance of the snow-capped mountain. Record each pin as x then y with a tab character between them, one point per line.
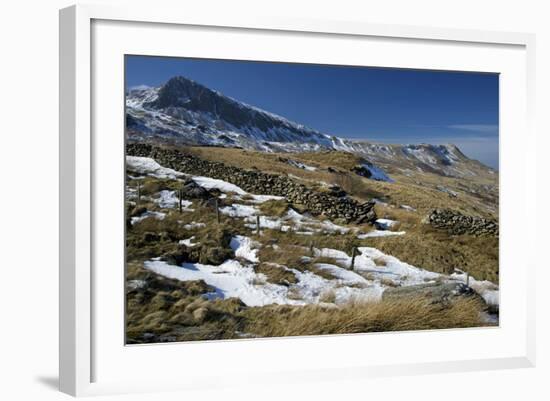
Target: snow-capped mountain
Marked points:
185	112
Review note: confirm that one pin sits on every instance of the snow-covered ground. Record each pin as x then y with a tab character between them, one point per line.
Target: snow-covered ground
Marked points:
147	214
148	166
377	173
292	220
301	165
224	186
168	199
373	272
245	248
488	290
189	242
380	233
193	225
384	224
237	210
228	188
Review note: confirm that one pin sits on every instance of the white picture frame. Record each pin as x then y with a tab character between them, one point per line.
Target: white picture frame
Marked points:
83	350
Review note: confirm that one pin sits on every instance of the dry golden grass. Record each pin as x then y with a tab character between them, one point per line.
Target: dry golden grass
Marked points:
379	261
177	310
290	256
276	274
402	315
172	311
438	252
418	190
274	207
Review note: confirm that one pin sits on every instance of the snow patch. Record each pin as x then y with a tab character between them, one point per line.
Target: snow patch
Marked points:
379	233
168	199
384	224
147	214
245	248
148	166
189	242
237	210
377	173
213	183
193	225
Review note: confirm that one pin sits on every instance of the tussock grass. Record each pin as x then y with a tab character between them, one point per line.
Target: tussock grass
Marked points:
406	220
441	253
402	315
357	186
274	207
151	185
276	274
172	311
290	256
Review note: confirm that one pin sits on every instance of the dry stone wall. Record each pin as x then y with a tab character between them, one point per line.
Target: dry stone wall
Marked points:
257	182
456	223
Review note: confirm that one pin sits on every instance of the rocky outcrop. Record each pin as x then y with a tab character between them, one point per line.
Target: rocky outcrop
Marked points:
435	292
456	223
257	182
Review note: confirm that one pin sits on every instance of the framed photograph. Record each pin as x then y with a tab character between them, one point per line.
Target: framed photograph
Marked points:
276	200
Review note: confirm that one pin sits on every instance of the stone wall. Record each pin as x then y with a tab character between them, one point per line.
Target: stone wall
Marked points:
257	182
456	223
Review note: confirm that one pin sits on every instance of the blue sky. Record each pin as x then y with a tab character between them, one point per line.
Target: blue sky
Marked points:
374	104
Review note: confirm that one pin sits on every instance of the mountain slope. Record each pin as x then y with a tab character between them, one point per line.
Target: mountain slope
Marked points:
185	112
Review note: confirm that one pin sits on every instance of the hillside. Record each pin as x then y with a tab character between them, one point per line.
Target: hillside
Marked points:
241	223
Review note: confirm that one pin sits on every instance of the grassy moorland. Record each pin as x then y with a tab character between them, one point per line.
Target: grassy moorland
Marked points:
296	273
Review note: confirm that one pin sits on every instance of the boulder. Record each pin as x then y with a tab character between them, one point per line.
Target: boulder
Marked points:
192	190
436	292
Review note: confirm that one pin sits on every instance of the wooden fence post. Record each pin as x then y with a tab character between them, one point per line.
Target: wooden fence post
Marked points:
180	198
258	224
467	279
139	191
217	211
311	248
353	251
